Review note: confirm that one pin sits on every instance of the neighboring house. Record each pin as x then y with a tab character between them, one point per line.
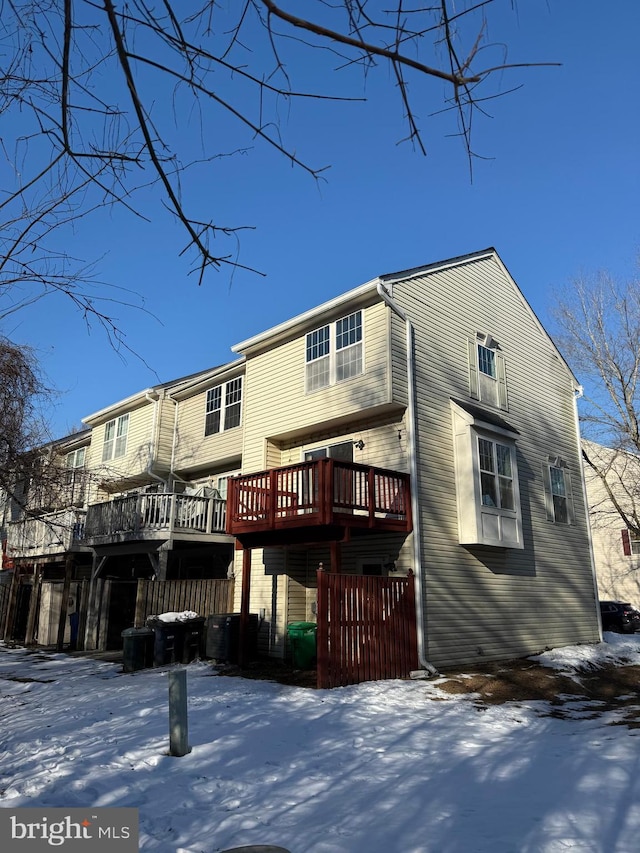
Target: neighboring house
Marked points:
414	440
43	528
616	547
442	373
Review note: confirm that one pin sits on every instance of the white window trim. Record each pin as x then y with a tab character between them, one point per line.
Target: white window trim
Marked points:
118	444
479	524
490	390
222	386
332	355
560	464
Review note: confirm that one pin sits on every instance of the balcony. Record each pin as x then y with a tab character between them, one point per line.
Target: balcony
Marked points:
46	535
316	501
155	516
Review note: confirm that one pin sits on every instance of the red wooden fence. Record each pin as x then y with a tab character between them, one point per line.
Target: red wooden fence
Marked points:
366	628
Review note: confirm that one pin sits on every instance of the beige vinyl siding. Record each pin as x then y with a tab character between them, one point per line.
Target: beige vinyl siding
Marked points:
194	449
487	602
398	337
166	426
618	574
268	591
138	454
276	403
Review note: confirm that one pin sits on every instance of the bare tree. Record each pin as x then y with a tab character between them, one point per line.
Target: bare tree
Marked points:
599	318
86	85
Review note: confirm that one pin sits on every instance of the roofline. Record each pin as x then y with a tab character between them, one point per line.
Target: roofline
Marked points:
213	373
283	329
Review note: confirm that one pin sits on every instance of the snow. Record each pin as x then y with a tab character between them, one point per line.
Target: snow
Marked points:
382	767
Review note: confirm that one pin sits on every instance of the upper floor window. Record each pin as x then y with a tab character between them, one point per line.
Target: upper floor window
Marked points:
558	492
487	375
115	438
334	352
630	542
496	474
487	485
224	407
75	459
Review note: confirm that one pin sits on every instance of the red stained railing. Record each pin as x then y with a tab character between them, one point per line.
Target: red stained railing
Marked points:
319	492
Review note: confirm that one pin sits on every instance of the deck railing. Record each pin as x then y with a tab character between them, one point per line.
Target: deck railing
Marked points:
146	514
52	533
319	492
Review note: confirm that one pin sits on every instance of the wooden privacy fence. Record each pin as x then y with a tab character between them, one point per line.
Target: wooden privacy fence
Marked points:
366	628
205	597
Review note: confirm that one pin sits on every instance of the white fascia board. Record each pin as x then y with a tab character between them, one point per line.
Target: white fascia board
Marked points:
210	378
286	329
121	406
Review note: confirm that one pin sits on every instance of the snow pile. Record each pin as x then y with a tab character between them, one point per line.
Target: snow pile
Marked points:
382	767
174	616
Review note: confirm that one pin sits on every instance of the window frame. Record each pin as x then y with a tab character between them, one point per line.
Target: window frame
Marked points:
115	445
334	352
559	507
488	386
479	522
222	400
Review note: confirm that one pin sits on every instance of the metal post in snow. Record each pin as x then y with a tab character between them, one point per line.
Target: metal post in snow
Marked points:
178	723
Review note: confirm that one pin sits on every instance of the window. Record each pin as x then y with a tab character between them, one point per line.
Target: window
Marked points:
496	474
224	407
630	542
115	438
559	495
487	376
75	459
487	488
334	352
343	451
557	491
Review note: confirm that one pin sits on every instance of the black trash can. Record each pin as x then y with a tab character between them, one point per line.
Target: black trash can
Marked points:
167	646
190	639
221	640
176	642
137	648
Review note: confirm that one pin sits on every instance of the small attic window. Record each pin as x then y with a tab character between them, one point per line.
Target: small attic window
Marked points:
487	374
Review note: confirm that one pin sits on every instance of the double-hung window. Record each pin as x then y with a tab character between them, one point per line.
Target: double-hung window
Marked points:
487	375
115	438
557	491
496	474
74	476
224	407
334	352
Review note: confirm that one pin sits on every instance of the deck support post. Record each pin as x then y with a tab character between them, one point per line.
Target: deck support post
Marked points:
243	646
336	557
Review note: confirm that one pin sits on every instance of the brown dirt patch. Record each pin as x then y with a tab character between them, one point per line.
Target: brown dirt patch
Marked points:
610	688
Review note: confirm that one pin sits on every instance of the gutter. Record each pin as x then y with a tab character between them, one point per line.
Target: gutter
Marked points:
413	471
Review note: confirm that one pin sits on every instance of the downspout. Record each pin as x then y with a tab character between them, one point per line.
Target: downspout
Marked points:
413	472
577	395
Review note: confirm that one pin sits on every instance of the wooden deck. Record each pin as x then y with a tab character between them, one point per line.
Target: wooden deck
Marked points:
154	516
318	499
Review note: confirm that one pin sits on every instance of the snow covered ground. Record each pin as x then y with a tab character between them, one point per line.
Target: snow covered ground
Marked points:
387	767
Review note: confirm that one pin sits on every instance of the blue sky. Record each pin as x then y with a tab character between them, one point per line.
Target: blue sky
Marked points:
558	196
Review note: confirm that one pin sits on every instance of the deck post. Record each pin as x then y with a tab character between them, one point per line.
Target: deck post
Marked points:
336	557
243	646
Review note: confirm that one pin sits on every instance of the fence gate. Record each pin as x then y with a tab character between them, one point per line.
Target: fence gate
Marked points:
366	628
